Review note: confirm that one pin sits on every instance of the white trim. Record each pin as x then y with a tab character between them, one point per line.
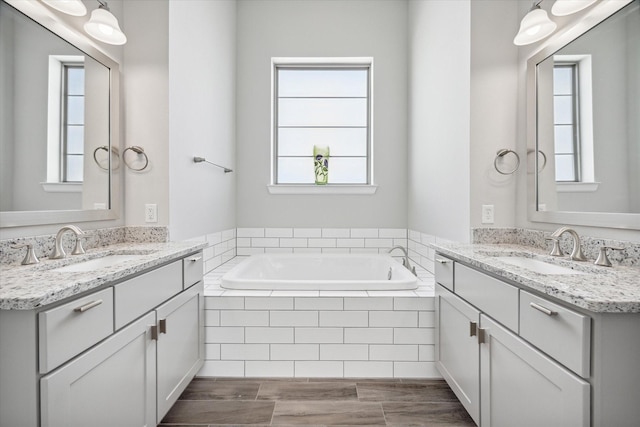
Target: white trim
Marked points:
322	189
577	187
365	61
62	187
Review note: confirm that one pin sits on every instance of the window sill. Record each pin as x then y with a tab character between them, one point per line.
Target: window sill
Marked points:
62	187
577	187
322	189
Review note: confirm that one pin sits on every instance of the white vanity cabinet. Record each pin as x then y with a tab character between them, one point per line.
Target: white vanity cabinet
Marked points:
180	345
118	356
520	386
501	379
112	384
458	350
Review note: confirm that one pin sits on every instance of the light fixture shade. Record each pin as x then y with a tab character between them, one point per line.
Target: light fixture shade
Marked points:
535	26
567	7
70	7
103	26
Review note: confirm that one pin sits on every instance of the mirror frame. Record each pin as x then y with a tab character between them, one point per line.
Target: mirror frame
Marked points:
39	13
599	13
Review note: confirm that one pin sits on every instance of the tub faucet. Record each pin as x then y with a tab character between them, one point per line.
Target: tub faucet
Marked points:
405	260
576	253
58	250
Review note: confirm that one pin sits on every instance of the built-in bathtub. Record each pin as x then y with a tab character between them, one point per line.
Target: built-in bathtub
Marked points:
321	272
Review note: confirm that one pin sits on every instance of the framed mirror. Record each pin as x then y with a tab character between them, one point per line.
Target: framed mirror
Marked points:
583	95
58	126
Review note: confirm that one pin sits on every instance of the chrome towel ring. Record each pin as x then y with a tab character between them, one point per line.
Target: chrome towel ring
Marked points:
114	150
140	152
500	154
544	158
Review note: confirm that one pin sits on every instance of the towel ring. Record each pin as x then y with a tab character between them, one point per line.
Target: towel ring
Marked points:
501	153
544	158
138	150
114	150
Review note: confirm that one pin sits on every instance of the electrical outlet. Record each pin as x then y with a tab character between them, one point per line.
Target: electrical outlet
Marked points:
151	212
487	214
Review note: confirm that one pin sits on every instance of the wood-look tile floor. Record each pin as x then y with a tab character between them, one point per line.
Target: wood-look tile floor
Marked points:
316	402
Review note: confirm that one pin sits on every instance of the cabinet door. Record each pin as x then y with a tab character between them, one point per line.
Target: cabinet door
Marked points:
457	349
180	345
522	387
112	384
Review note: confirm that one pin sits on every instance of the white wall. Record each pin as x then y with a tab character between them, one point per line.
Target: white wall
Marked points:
201	116
439	118
146	108
269	28
494	100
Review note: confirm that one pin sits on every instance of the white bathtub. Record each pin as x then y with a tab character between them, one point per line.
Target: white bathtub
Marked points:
348	272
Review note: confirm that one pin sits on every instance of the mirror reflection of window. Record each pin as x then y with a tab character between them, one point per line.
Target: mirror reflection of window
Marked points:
72	126
566	121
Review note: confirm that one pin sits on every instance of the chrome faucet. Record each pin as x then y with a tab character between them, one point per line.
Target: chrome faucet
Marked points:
576	253
58	250
405	260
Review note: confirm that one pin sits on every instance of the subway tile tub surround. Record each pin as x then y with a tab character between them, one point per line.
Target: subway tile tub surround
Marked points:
372	334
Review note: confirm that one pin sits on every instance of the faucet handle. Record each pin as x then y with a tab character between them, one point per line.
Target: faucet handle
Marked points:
555	251
78	249
603	259
30	257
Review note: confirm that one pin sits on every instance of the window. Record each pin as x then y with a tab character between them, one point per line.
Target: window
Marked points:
72	123
65	124
566	122
322	102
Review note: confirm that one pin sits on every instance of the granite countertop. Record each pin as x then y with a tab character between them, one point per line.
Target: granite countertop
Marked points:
598	289
34	286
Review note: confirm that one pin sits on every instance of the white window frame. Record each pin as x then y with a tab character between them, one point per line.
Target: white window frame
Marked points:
304	62
584	106
54	183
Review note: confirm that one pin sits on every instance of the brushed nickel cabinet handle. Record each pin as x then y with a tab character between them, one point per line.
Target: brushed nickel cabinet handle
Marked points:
443	260
482	334
473	329
163	326
542	309
87	306
154	332
195	259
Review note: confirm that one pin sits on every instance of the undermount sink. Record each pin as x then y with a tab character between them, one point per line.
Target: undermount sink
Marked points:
536	265
97	263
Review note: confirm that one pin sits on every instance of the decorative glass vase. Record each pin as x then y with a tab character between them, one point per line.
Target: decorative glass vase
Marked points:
321	164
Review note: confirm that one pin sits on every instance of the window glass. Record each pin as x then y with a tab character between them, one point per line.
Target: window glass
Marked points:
322	105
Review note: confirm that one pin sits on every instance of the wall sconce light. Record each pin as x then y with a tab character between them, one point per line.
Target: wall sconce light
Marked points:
70	7
568	7
536	24
102	25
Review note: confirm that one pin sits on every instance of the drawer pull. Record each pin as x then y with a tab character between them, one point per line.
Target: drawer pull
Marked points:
443	260
195	259
542	309
163	326
87	306
473	329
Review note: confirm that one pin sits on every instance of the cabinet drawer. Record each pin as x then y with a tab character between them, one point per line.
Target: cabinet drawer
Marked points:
137	296
444	271
561	333
492	296
69	329
192	268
